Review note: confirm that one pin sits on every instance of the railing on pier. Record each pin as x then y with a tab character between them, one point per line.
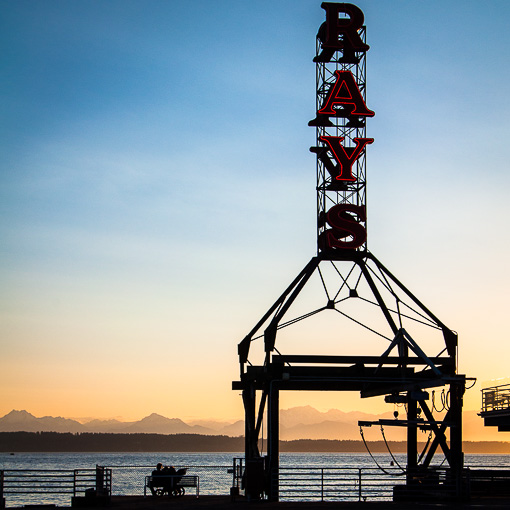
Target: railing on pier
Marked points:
435	485
27	484
310	483
326	484
496	398
21	487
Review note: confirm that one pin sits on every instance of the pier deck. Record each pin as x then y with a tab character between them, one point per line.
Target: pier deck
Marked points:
241	503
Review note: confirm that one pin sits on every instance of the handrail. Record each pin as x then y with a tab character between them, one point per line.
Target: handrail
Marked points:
296	483
496	398
74	482
353	483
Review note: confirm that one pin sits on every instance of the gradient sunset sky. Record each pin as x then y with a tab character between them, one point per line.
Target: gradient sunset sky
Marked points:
158	194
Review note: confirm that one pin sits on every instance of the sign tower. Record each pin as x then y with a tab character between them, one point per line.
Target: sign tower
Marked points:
340	123
377	312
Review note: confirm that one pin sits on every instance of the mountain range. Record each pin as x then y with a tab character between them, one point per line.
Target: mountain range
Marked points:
303	422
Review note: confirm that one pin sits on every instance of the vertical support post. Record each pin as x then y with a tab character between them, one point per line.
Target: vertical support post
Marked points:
254	472
457	456
2	499
99	480
412	437
273	440
75	483
250	441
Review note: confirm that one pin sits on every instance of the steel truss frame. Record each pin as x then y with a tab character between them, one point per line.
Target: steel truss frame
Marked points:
401	370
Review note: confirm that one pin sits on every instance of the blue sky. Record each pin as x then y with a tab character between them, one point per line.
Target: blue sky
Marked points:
157	192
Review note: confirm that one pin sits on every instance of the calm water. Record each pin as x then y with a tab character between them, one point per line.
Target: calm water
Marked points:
129	469
90	460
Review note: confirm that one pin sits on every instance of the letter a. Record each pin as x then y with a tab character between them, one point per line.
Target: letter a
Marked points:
345	91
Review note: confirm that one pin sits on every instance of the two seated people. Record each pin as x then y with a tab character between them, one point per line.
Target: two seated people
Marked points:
165	479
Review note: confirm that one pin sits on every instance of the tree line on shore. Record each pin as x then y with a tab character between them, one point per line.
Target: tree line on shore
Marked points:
12	442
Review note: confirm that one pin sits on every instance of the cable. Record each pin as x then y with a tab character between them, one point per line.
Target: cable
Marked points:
388	448
474	382
425	448
374	459
434	402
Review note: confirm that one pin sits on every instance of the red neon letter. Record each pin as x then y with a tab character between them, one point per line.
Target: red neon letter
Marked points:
345	91
345	156
348	28
345	225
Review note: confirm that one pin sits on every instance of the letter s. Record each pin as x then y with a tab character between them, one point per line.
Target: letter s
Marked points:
345	225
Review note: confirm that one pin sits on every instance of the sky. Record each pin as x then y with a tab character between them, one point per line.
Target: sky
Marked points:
157	192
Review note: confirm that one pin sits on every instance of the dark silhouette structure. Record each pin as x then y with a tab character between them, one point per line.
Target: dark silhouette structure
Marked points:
496	407
346	293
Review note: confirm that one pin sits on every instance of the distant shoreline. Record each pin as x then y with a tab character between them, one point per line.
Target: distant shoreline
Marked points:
54	442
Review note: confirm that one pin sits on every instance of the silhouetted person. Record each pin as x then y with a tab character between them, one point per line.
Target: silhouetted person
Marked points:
168	470
169	482
155	480
157	471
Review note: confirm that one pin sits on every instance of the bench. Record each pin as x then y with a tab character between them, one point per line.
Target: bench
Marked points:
160	484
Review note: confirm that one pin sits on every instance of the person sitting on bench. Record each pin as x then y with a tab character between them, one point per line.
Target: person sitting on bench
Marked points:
159	481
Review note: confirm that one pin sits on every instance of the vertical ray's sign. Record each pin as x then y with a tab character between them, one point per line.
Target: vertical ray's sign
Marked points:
343	229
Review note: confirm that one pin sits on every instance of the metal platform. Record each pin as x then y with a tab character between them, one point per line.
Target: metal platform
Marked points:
496	407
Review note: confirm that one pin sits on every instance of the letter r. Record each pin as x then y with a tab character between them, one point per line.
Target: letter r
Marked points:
348	28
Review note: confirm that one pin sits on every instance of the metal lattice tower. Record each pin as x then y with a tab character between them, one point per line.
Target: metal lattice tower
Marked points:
330	191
